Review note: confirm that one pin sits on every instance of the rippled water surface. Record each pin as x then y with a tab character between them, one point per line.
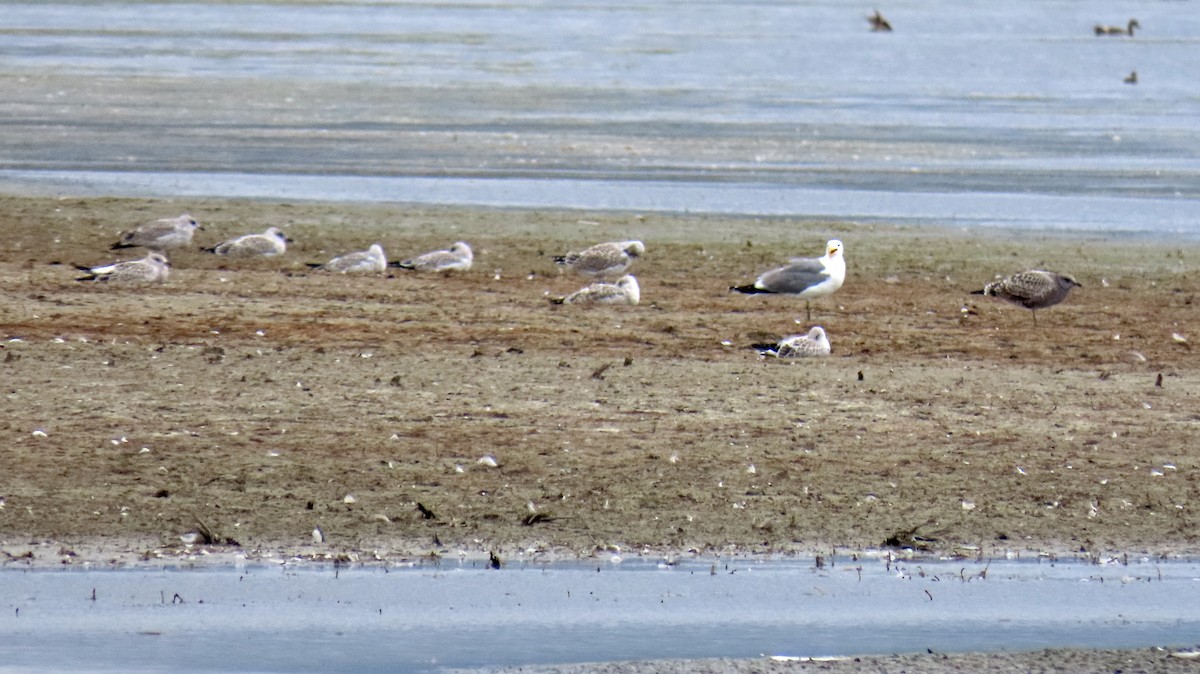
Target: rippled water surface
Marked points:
969	113
284	618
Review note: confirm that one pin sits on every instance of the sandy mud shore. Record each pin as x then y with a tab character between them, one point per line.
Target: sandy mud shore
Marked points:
260	399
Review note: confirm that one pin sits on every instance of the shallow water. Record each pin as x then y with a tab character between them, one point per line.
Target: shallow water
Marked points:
297	618
971	113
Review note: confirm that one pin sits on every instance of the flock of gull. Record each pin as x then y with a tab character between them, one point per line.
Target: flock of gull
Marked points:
804	278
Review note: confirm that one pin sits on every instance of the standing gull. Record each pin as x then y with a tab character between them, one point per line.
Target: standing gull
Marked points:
804	277
160	235
268	244
603	259
1033	289
369	261
153	268
624	291
815	343
457	258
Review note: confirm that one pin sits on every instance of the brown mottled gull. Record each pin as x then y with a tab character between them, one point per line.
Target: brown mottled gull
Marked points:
456	258
624	291
153	268
369	261
270	243
1034	289
603	259
162	234
815	343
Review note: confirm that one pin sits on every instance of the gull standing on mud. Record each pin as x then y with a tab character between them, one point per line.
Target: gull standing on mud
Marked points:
154	268
457	258
268	244
369	261
624	291
804	277
1034	289
815	343
603	259
160	235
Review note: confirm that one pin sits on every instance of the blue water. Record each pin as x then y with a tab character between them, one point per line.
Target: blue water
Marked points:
293	618
971	113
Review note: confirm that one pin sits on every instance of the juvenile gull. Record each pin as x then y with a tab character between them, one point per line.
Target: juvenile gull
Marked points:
815	343
1034	289
457	258
624	291
162	234
804	277
603	259
153	268
268	244
369	261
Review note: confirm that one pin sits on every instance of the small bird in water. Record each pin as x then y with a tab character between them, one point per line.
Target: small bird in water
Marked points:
159	235
1034	289
1131	78
806	278
1127	29
878	23
456	258
154	268
815	343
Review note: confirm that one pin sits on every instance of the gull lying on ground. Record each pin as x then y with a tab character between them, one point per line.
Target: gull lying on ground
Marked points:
603	259
804	277
457	258
624	291
815	343
1034	289
369	261
154	268
268	244
159	235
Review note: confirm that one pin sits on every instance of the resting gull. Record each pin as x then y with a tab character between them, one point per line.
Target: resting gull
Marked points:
624	291
804	277
268	244
369	261
456	258
815	343
1033	289
603	259
162	234
154	268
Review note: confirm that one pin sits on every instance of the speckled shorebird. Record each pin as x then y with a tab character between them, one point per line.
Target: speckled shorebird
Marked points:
455	258
815	343
1118	30
1034	289
624	291
270	243
160	235
603	259
806	278
153	268
369	261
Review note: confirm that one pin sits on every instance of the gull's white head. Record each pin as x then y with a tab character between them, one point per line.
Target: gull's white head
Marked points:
833	248
635	248
632	290
461	249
